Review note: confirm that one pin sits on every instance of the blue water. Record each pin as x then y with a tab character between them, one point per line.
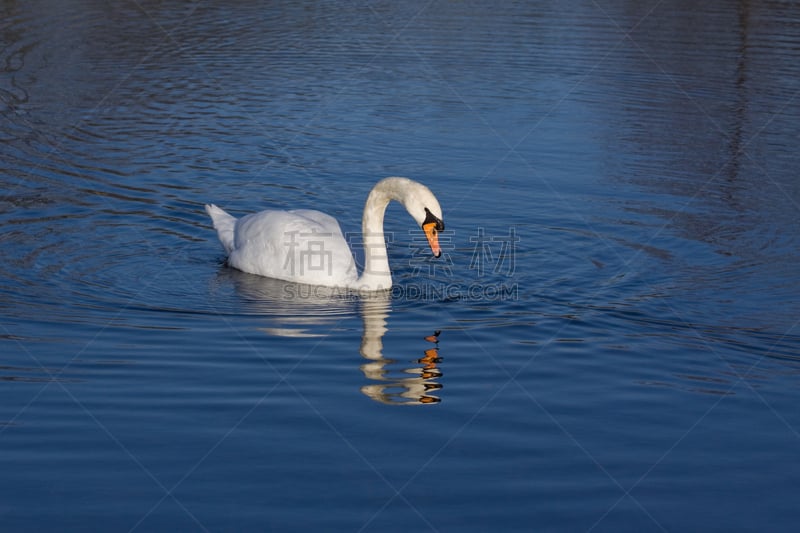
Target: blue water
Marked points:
618	300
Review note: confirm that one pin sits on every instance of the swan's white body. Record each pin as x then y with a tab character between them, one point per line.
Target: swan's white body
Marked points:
307	246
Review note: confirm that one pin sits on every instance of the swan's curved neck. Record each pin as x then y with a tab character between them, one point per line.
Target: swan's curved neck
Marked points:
376	274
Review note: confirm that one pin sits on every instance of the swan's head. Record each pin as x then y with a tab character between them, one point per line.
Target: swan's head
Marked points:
418	200
425	209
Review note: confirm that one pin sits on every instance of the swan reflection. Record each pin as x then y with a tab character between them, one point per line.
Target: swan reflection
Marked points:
297	310
291	313
415	385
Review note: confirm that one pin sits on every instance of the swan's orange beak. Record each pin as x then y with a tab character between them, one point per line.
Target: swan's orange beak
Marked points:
433	237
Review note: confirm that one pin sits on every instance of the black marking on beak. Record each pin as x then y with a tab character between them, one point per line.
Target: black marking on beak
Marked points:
430	217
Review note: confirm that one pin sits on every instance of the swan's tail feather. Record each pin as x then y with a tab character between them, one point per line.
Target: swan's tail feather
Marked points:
224	224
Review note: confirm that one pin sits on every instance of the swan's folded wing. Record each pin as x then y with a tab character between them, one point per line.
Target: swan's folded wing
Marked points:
301	245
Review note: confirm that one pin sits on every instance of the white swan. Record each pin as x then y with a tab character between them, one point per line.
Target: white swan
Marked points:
308	246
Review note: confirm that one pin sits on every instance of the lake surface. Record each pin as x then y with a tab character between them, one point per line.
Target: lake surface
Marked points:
618	299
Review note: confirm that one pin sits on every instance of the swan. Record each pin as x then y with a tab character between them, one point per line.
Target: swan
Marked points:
307	246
